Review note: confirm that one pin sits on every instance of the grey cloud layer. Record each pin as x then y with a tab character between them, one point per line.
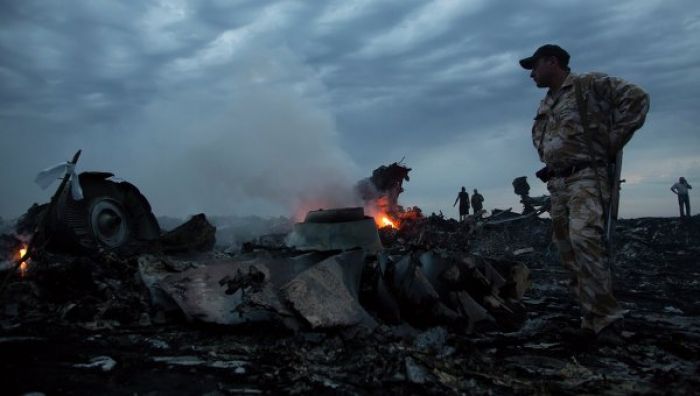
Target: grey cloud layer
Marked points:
254	106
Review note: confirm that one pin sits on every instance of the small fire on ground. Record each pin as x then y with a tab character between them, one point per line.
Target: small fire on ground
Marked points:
380	210
24	265
395	219
383	220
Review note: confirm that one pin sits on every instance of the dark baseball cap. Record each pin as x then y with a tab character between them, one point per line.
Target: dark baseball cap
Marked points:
546	50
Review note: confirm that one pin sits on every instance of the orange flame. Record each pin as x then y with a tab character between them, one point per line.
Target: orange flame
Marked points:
24	265
383	220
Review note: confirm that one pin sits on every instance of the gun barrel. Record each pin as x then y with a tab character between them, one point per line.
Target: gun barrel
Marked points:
615	173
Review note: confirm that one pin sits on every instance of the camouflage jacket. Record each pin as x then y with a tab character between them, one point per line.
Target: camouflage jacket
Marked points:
616	109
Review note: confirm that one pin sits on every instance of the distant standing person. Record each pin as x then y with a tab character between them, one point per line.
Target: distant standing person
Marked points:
463	199
477	203
681	189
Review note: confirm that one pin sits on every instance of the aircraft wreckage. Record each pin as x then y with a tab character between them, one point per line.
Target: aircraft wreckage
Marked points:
375	299
331	272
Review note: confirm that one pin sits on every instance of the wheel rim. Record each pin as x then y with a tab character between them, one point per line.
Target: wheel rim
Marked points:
108	222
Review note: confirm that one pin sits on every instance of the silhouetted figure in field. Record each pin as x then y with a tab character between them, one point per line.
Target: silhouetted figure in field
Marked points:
522	188
477	203
463	199
681	189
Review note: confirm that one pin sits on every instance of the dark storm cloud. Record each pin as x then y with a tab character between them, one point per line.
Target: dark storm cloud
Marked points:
425	96
251	106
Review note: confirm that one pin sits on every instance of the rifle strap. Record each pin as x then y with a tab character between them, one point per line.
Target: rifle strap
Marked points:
583	114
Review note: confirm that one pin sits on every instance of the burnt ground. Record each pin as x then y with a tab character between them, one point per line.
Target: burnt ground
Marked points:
49	347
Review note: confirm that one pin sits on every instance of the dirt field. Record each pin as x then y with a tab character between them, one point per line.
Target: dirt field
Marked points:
55	348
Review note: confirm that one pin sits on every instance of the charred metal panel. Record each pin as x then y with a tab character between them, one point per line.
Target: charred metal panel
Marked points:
324	232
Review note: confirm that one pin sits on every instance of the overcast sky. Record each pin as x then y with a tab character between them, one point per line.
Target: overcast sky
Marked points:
263	107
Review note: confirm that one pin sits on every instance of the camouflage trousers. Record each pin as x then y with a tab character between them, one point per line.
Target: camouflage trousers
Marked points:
578	225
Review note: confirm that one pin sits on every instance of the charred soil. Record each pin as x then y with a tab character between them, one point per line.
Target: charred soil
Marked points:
85	326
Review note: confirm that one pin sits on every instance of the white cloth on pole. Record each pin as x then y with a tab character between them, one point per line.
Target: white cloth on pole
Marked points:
46	177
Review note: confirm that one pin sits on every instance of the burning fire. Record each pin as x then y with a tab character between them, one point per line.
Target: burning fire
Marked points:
383	220
24	265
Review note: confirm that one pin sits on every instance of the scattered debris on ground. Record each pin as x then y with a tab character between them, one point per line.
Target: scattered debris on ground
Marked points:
444	307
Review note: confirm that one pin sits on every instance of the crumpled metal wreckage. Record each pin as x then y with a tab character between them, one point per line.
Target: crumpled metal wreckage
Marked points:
341	280
333	273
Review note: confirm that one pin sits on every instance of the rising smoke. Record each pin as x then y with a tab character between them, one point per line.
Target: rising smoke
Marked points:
246	136
262	144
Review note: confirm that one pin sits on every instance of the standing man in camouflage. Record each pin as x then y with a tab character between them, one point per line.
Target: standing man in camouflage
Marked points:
577	170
